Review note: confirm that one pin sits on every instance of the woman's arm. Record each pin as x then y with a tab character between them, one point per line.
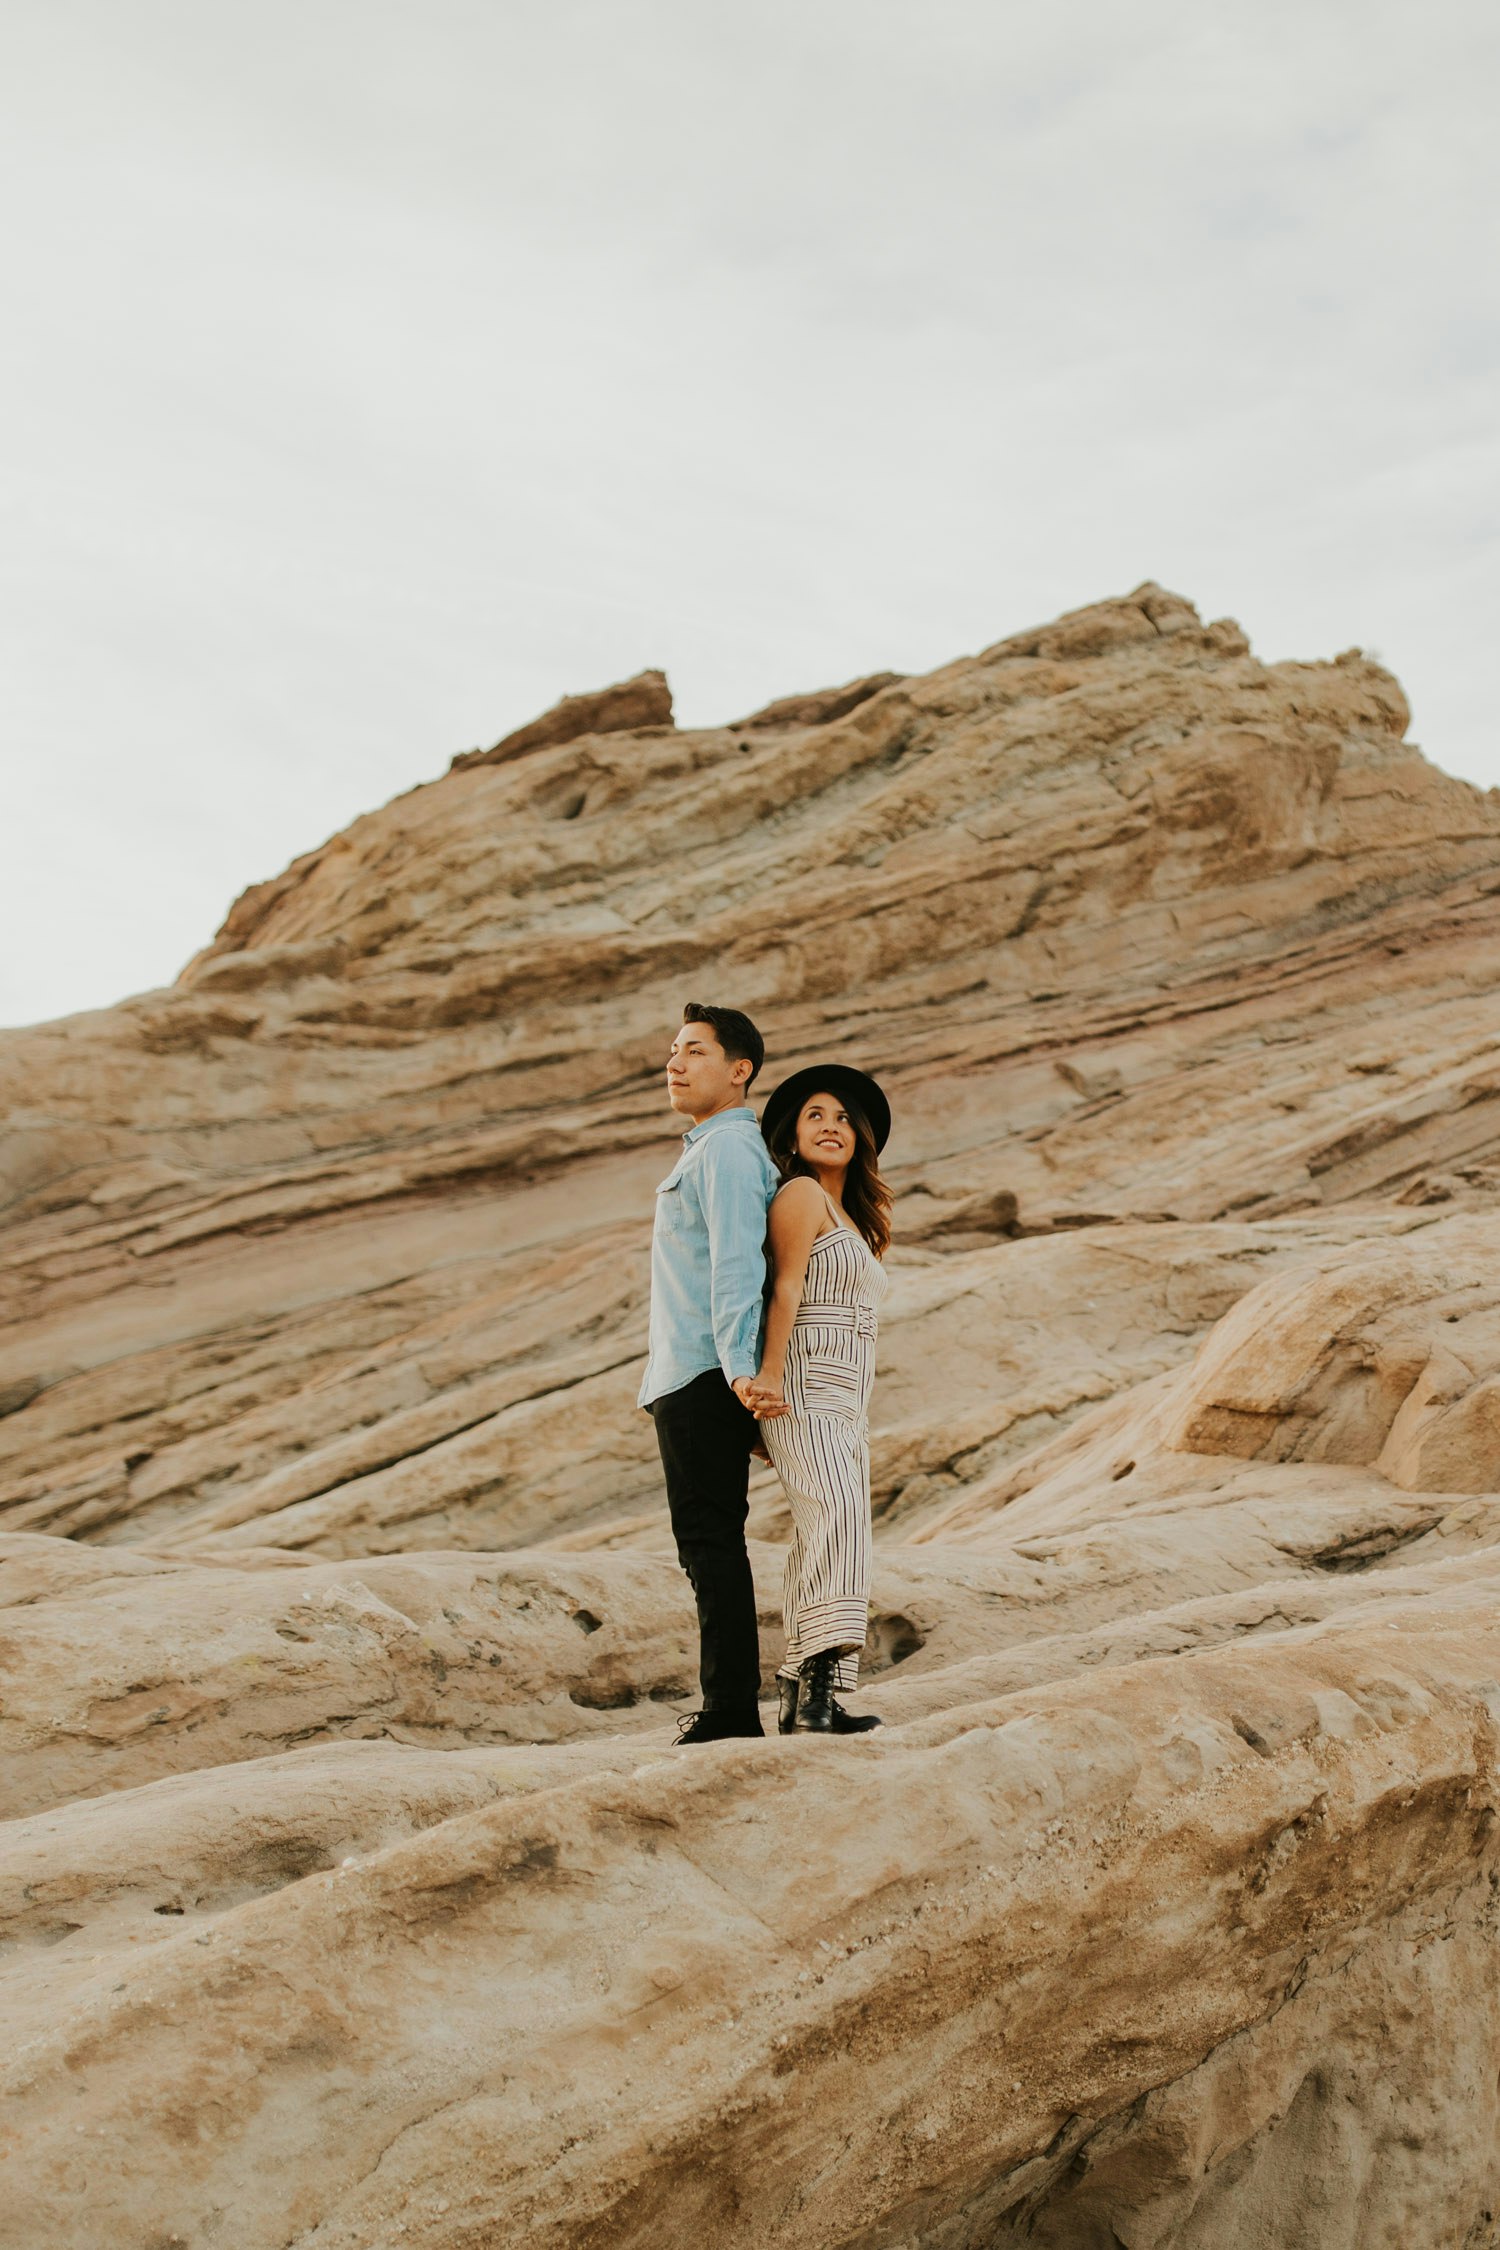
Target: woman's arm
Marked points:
797	1215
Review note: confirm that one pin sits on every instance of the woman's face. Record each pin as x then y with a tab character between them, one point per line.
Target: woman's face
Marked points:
824	1133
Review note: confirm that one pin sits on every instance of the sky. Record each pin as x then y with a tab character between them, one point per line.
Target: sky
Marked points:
374	372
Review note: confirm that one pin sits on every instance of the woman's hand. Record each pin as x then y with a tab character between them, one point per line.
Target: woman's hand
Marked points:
764	1398
768	1389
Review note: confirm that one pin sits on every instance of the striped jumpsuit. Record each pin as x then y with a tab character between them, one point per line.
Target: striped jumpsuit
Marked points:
821	1451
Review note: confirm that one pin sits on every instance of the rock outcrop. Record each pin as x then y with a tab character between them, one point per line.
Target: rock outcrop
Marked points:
823	705
645	701
354	1897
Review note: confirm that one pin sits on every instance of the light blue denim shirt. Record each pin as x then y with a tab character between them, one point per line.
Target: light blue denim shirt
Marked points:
708	1255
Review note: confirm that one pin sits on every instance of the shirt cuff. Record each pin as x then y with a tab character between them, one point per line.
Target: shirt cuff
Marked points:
736	1365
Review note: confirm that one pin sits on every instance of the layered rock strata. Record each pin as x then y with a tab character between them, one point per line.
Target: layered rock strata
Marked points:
353	1894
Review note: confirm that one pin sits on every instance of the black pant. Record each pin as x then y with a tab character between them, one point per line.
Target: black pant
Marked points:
705	1436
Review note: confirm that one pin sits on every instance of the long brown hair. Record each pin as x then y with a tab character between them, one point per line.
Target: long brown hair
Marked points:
867	1199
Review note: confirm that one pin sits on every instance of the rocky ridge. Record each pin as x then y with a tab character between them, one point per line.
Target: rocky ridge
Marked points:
354	1896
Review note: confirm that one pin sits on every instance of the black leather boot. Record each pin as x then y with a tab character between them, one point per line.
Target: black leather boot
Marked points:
786	1717
848	1722
815	1693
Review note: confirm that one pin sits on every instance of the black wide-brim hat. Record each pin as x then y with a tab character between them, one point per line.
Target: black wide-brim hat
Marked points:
856	1089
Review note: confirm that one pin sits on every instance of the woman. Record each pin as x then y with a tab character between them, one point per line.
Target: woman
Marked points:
829	1228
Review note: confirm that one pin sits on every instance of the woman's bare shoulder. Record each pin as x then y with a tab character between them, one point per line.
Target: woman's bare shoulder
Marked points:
796	1209
798	1191
795	1221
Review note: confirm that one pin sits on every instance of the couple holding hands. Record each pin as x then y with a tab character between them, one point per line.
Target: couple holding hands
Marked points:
765	1287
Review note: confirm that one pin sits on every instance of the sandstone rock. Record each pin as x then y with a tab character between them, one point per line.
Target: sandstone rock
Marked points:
353	1893
120	1666
1088	1955
645	701
819	709
142	1677
1392	1359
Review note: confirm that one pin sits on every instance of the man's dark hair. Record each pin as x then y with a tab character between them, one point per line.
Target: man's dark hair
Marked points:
735	1033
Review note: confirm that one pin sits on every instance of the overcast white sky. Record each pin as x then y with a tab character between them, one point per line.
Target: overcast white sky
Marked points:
373	372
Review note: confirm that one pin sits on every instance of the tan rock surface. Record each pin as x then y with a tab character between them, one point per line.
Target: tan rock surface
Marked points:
159	1664
1090	1951
351	1894
645	701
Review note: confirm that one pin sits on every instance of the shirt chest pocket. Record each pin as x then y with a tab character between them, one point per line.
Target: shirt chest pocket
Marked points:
671	1211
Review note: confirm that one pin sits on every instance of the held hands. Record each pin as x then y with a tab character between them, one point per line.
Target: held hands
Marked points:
761	1395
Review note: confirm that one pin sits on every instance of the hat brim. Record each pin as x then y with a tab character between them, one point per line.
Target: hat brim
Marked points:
855	1088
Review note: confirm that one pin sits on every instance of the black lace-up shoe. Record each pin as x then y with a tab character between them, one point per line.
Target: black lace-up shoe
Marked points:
718	1726
786	1716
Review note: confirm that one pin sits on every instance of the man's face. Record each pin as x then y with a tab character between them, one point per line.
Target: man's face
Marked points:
701	1079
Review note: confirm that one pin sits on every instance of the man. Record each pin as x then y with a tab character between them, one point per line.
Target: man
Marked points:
708	1278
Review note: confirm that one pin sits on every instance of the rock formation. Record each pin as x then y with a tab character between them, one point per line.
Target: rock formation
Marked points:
645	701
354	1898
